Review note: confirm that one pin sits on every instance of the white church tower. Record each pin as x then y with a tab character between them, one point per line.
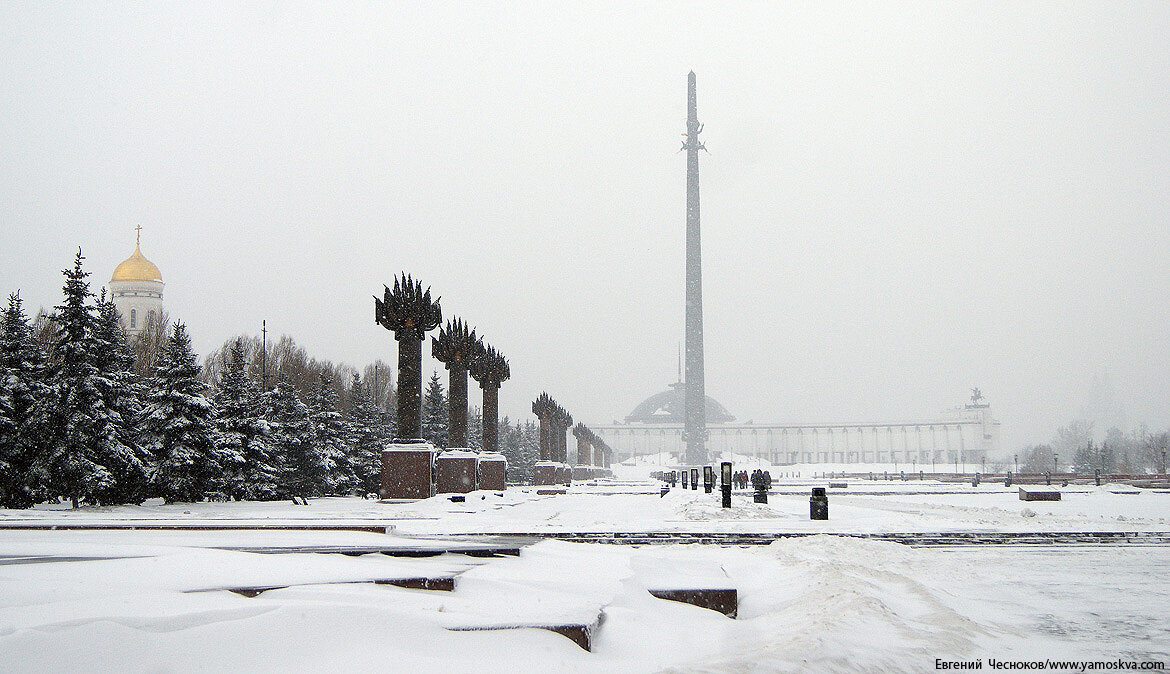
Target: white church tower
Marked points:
136	289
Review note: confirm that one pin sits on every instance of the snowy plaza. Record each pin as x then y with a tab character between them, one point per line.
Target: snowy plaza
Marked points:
396	337
176	594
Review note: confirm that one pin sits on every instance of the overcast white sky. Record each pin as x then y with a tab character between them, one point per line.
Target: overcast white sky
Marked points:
901	201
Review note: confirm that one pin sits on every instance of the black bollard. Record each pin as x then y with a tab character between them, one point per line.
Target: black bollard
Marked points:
818	504
1048	479
1097	476
725	468
685	475
708	479
1007	481
694	479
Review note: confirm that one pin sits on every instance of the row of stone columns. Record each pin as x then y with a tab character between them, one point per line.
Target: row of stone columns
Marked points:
602	453
592	454
555	421
585	440
410	467
591	449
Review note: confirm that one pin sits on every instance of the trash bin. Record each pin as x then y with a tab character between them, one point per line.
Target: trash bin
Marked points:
818	504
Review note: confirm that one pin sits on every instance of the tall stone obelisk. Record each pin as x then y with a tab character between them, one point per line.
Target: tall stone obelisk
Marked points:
695	412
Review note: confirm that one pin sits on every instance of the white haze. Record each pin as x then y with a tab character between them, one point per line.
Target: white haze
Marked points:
901	201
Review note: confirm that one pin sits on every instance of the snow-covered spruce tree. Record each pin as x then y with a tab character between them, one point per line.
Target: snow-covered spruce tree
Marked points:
1095	457
178	425
84	430
303	468
129	463
251	467
434	417
13	473
329	432
475	429
23	395
1085	460
367	436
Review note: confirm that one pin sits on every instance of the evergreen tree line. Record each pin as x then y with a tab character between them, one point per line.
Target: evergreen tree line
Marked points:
1073	448
80	420
92	417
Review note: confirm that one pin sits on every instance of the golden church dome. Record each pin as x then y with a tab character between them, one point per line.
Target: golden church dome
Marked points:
136	268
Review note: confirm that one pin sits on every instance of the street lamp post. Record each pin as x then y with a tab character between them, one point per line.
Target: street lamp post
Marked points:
1016	463
1054	462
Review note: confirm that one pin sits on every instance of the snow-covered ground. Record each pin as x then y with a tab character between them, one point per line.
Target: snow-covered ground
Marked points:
813	604
863	506
148	600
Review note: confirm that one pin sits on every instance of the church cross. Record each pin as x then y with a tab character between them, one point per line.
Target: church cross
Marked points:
137	235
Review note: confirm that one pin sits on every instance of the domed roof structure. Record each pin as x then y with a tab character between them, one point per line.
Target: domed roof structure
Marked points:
667	408
136	268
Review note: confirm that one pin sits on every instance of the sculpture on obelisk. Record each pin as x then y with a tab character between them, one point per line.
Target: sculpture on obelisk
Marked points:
695	398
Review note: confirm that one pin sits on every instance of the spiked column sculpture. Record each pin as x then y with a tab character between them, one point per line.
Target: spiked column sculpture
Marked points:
563	424
606	454
455	347
545	410
410	314
546	471
695	398
584	445
490	369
